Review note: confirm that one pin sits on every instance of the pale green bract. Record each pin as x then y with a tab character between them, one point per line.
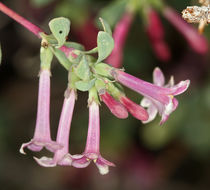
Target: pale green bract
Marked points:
105	44
60	28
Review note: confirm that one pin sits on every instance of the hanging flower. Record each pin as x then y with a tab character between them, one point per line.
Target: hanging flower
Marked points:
42	136
62	156
92	145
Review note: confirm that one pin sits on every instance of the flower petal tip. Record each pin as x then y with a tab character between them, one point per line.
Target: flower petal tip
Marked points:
45	161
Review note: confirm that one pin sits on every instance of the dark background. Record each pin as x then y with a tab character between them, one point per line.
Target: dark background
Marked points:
173	156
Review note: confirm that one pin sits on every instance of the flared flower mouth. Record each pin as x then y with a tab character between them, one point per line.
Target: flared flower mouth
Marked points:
37	145
164	109
83	160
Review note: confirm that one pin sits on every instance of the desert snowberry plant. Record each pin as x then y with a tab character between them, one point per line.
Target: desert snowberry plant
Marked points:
103	83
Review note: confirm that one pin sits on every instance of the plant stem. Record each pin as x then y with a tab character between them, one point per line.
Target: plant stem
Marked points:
28	25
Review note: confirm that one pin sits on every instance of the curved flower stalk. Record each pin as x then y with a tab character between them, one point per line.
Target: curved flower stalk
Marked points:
196	41
155	32
120	35
92	145
42	136
62	156
162	96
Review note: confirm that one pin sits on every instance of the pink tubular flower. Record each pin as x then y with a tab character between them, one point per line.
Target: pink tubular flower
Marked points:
196	41
42	136
92	145
136	110
62	156
114	106
163	95
120	34
155	32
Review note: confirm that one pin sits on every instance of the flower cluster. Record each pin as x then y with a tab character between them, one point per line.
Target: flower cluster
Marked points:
196	14
103	84
154	28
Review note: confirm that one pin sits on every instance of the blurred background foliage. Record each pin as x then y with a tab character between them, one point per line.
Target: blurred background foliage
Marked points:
173	156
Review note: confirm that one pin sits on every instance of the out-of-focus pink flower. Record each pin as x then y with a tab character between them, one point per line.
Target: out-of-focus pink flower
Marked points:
162	95
155	32
196	41
62	156
42	136
120	35
134	109
114	106
92	145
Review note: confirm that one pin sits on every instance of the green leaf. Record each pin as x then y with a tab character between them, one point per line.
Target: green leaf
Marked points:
85	85
62	58
105	44
0	54
83	69
46	57
106	26
60	28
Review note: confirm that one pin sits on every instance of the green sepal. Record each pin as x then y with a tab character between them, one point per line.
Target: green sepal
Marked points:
60	28
72	79
106	26
0	54
61	58
105	44
93	96
83	69
100	85
46	57
74	45
115	91
85	85
103	69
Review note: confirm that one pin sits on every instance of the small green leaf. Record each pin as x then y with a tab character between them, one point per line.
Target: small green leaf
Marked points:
83	69
0	54
62	58
105	44
46	57
85	85
106	26
60	28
